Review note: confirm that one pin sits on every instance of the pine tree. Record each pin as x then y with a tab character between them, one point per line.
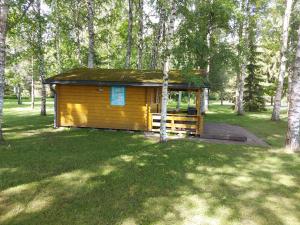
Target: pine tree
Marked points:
254	92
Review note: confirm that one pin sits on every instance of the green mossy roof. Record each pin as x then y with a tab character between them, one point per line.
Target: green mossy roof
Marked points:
128	76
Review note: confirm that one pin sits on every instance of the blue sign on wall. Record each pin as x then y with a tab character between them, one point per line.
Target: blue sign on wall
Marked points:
117	96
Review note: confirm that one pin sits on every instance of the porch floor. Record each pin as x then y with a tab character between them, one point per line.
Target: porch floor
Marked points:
221	133
231	134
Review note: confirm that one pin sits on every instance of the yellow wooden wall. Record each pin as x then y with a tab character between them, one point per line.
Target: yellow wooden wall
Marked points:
87	106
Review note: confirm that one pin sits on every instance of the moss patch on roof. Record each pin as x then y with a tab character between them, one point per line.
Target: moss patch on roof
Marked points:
129	76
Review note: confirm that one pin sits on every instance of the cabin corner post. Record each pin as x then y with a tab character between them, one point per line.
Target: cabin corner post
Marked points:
148	104
53	89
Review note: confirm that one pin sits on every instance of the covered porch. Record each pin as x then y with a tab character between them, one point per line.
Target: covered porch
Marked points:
186	120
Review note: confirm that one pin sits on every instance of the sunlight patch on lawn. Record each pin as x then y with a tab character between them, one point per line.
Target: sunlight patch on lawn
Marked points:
186	210
16	200
74	179
107	169
283	208
8	170
126	158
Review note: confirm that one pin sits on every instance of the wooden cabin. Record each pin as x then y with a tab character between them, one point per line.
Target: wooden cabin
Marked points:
122	99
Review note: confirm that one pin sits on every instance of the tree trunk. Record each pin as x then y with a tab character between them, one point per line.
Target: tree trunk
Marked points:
91	56
204	105
179	101
241	74
32	84
19	94
189	99
240	90
57	36
3	28
77	32
272	100
129	35
57	49
293	132
41	58
283	60
157	39
166	69
141	34
222	98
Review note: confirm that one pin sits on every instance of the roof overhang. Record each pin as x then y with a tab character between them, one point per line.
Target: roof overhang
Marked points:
129	84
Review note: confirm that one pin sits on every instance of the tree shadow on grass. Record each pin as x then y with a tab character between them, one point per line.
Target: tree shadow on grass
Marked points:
95	177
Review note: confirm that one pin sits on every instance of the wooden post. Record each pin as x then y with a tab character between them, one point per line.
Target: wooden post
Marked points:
148	104
199	117
172	124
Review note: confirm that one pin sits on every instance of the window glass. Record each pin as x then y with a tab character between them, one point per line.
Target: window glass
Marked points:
117	96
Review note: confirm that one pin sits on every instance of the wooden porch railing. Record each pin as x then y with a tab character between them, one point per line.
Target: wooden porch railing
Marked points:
178	123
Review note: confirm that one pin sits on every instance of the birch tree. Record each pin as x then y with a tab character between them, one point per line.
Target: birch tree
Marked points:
3	29
157	39
129	35
140	34
32	83
204	105
91	56
293	131
283	60
241	74
166	69
77	27
40	56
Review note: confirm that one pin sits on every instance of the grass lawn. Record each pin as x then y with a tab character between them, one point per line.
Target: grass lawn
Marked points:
87	176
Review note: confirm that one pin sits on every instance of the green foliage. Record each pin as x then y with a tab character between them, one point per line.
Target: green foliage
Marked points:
254	91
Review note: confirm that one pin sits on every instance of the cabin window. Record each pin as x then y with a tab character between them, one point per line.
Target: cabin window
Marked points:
117	96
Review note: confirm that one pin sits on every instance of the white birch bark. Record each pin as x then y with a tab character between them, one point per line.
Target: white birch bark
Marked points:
156	41
241	75
19	94
283	60
129	35
189	99
57	37
204	102
179	101
77	30
91	31
293	132
41	62
141	35
3	29
32	84
166	69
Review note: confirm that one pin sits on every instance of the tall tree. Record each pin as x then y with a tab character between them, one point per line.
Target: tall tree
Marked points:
293	131
205	100
3	29
283	60
254	100
241	73
57	35
77	27
166	69
32	83
40	56
91	56
157	39
141	34
129	35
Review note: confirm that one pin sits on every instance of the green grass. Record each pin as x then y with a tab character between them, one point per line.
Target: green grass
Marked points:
87	176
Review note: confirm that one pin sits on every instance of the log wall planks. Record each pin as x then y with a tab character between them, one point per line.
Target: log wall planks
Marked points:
89	106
